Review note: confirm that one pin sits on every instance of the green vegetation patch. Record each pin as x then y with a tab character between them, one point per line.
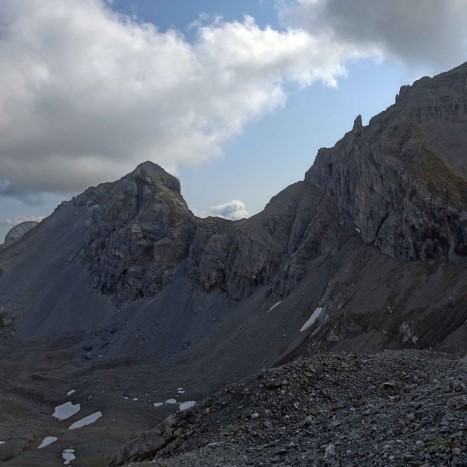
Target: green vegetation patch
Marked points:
437	443
438	178
173	216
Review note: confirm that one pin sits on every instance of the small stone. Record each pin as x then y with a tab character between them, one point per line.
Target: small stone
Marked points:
281	452
330	451
387	385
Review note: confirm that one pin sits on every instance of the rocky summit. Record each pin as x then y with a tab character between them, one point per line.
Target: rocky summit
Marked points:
123	307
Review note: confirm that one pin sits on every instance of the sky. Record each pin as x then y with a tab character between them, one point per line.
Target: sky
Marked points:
232	97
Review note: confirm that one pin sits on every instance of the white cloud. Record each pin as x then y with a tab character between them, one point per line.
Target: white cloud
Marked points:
233	210
12	221
417	32
86	94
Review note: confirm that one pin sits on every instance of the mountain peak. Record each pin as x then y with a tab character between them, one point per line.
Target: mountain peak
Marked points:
154	174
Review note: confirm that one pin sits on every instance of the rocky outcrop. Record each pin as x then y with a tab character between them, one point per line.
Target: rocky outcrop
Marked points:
397	180
138	232
141	234
18	231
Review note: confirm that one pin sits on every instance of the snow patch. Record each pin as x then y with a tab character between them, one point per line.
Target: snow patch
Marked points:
170	401
68	456
187	405
158	404
46	441
2	442
85	421
69	393
316	314
67	410
274	306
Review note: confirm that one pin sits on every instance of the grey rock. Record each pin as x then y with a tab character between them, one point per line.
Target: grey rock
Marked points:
392	176
18	231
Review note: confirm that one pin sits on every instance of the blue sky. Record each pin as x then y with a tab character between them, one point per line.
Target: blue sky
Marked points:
236	108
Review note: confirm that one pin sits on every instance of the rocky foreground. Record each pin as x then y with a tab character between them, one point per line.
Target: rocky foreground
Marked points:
392	408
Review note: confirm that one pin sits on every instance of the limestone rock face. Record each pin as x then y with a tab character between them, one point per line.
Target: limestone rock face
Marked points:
398	183
401	179
141	234
18	231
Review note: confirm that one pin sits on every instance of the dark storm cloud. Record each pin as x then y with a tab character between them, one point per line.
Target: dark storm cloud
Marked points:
418	32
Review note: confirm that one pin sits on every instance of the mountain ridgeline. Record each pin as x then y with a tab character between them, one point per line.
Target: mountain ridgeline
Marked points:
391	195
367	253
399	182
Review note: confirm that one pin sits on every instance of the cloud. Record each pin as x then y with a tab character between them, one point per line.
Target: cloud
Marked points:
233	210
12	221
86	94
419	33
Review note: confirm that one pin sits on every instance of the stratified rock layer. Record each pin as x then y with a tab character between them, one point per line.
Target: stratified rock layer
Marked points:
402	178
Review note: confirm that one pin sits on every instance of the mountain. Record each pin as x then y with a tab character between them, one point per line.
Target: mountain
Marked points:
129	293
19	230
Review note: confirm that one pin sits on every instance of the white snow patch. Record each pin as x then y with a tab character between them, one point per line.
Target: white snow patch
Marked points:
134	399
187	405
85	421
46	441
69	393
68	456
67	410
158	404
358	230
2	442
274	306
180	391
170	401
316	314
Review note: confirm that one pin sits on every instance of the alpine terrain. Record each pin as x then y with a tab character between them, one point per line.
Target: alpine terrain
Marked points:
329	329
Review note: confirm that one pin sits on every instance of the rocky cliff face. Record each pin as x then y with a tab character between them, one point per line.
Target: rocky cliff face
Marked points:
137	232
401	178
141	234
